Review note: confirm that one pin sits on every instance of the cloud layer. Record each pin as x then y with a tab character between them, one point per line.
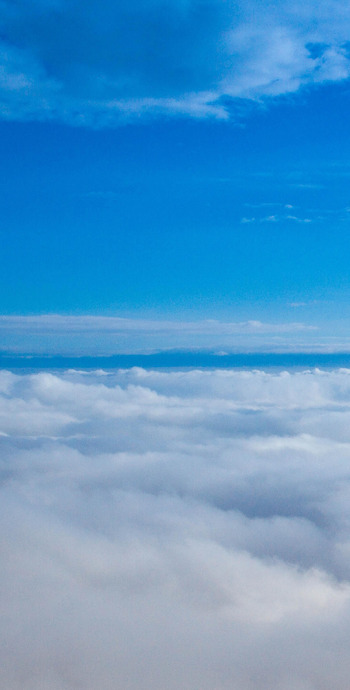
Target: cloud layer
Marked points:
99	64
57	334
175	529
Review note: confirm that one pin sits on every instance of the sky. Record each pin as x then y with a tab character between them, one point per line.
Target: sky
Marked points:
176	161
174	190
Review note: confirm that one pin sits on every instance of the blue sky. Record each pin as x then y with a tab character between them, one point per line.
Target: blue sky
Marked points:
177	161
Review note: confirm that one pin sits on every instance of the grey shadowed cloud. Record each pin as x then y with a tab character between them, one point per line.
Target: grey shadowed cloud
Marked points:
175	529
99	64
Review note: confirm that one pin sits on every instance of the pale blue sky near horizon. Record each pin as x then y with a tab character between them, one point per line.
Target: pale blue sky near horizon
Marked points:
177	162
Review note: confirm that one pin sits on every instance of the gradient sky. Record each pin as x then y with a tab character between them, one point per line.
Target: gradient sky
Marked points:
176	160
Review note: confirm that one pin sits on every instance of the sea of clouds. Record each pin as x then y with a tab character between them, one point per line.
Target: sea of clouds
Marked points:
175	529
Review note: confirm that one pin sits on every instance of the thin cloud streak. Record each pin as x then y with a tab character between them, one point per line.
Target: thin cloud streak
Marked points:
55	333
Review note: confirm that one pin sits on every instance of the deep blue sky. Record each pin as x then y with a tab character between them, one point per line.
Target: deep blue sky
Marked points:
159	215
239	214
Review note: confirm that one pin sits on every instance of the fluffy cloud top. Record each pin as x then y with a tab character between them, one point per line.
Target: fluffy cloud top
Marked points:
175	529
100	63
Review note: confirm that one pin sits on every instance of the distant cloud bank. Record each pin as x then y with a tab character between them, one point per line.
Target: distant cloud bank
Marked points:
87	63
90	335
181	529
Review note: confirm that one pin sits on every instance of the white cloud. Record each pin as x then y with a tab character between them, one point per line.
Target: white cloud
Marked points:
276	218
89	334
98	65
299	220
309	303
175	529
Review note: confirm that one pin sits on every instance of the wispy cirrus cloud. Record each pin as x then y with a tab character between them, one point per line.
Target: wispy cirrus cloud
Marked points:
99	65
274	218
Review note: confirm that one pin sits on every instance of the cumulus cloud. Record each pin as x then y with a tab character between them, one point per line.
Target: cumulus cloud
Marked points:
99	64
175	529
